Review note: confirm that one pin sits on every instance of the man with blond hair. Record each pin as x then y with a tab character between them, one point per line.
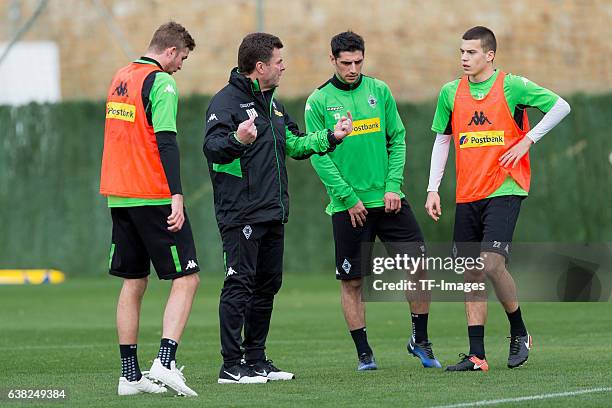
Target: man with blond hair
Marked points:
141	180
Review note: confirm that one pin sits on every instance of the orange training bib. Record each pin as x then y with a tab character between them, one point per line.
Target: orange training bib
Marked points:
131	166
483	131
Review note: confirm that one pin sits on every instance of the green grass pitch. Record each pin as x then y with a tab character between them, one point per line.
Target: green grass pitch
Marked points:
64	337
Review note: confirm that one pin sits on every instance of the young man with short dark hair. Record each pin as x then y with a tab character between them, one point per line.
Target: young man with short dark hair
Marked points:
141	178
485	112
248	134
363	179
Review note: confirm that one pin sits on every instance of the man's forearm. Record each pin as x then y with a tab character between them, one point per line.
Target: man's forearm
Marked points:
397	160
330	176
305	145
170	158
551	119
223	148
439	156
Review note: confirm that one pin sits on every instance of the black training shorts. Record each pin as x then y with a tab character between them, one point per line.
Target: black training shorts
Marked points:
399	233
141	236
486	226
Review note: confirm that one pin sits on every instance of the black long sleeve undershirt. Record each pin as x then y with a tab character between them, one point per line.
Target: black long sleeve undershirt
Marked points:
169	155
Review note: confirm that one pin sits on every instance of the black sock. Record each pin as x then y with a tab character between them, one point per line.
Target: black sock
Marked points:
517	327
476	334
129	362
360	337
419	327
167	352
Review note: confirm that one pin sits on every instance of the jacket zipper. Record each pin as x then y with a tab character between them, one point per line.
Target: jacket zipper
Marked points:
280	184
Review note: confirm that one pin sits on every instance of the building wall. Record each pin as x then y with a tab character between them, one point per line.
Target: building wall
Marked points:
412	45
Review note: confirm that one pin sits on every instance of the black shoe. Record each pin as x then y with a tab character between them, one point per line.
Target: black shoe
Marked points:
519	350
240	374
265	368
469	363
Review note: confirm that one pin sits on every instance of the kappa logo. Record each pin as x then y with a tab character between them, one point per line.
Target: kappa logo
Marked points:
252	113
121	90
372	101
170	89
191	264
346	265
479	119
308	107
212	117
230	272
247	231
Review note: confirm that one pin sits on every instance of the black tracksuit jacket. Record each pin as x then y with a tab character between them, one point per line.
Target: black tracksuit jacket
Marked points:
250	181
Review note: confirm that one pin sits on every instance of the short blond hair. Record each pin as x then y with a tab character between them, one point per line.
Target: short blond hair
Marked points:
171	34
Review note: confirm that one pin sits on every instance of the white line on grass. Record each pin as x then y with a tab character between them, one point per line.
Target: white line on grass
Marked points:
528	398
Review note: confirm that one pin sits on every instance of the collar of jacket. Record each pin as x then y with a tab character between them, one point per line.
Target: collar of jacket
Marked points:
244	83
150	60
343	85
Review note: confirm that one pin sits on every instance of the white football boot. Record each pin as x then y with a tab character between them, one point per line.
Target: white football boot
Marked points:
172	378
142	386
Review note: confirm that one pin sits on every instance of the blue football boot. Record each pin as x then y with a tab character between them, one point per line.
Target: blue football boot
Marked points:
424	352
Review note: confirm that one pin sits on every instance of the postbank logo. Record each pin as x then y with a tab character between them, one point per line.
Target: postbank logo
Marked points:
121	111
364	126
481	139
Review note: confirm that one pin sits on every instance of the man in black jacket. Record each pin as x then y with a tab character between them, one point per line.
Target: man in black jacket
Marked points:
248	135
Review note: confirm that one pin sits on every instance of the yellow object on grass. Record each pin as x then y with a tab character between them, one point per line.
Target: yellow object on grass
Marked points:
30	276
